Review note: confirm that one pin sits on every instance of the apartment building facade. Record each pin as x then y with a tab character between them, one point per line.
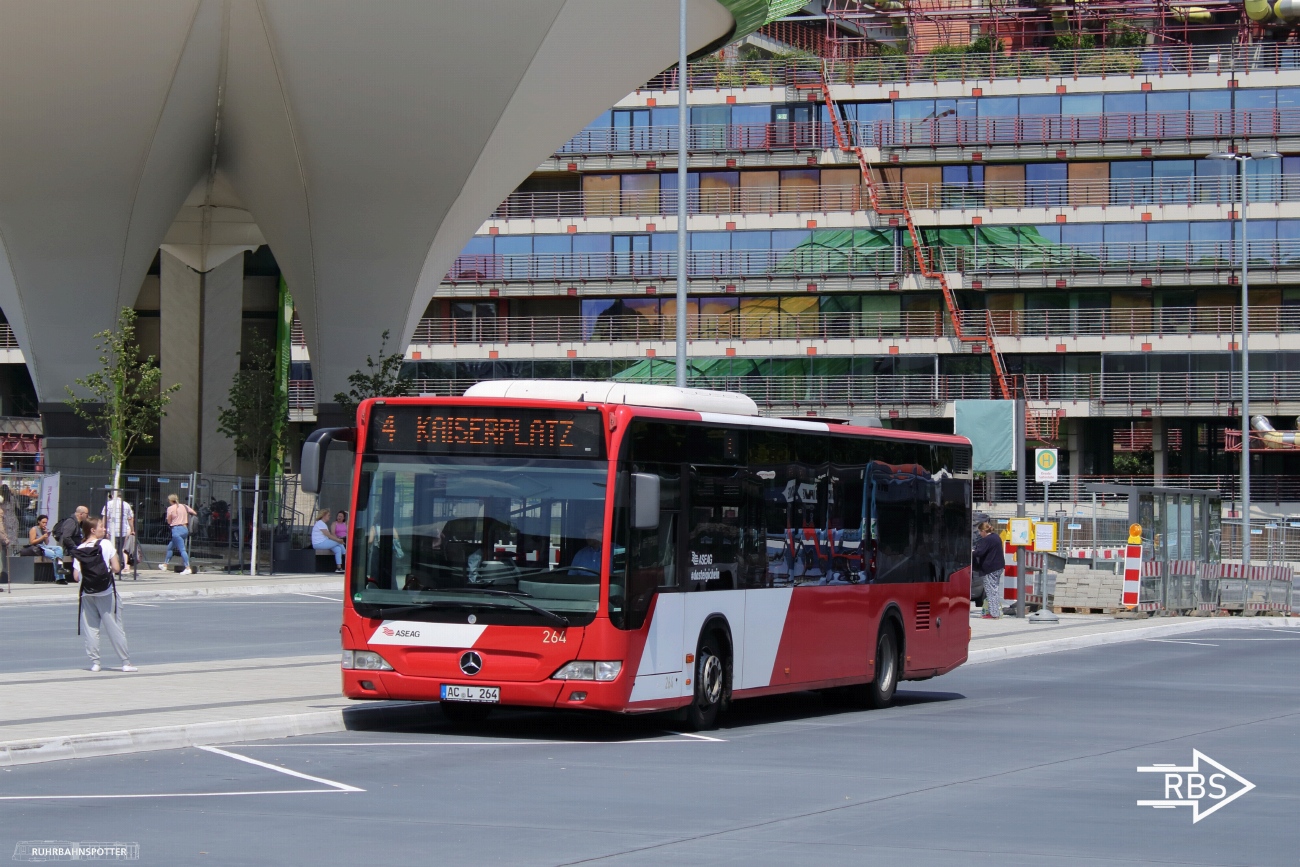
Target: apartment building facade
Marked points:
885	239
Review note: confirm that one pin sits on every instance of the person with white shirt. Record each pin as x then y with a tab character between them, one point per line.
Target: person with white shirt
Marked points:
119	520
323	539
95	565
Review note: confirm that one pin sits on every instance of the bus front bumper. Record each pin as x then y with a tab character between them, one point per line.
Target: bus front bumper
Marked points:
577	694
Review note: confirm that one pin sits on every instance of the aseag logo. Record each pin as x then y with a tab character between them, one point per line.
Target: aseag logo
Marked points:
1189	787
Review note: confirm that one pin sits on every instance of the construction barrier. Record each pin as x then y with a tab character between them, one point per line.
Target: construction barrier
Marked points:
1254	589
1151	592
1207	588
1133	568
1181	580
1009	574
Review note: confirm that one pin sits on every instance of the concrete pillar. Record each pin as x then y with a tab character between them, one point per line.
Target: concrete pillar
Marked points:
1074	447
201	318
180	304
1158	449
223	296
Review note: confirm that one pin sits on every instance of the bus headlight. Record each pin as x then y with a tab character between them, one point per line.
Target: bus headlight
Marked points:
602	670
365	660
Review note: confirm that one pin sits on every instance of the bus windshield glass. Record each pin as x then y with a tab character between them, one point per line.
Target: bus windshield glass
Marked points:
443	534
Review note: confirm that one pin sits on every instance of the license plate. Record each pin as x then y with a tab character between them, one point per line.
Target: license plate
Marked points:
489	694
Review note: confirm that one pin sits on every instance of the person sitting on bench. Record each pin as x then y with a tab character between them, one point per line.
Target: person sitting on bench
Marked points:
41	543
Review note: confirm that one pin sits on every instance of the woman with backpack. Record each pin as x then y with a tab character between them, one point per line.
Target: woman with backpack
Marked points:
95	563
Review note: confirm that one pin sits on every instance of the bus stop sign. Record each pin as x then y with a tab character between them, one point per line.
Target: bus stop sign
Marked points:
1044	465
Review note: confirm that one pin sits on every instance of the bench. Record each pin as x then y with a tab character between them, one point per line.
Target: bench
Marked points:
34	570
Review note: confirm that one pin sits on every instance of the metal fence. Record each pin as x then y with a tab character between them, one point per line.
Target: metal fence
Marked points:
221	533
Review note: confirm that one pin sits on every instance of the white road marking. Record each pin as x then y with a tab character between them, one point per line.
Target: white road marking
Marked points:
342	787
698	737
172	795
1180	641
333	787
316	596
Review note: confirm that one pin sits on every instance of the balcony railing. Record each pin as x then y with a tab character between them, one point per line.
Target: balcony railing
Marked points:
839	393
1111	322
1024	64
769	324
761	325
1115	127
991	259
848	391
7	338
943	132
1119	192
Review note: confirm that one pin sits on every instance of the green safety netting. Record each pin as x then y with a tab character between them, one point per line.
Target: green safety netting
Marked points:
838	251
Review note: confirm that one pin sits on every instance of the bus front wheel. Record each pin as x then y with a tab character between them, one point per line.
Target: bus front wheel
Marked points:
710	684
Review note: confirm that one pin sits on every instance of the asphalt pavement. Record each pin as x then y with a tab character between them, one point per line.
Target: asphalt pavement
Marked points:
1027	761
43	636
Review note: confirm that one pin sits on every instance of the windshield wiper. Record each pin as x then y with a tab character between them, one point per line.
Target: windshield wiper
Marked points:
387	610
517	596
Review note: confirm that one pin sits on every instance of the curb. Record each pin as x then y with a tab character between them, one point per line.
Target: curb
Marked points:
1098	639
192	592
180	736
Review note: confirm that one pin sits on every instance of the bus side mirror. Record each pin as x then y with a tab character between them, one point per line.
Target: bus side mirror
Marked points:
314	451
645	501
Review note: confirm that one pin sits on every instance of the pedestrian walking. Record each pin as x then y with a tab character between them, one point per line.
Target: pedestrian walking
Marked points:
96	566
178	519
119	520
987	564
69	534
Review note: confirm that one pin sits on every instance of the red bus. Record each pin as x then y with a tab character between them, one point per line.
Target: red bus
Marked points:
601	546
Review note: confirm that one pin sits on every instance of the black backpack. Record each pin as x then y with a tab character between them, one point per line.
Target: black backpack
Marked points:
96	577
68	533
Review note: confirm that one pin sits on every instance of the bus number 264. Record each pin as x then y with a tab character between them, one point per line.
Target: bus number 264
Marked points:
550	636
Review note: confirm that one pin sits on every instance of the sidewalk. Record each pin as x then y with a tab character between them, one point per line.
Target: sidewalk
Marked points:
159	584
48	715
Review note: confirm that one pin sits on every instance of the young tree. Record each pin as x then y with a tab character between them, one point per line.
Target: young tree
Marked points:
127	399
382	378
252	420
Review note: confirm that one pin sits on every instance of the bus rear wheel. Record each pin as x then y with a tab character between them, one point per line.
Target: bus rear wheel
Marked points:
710	684
880	692
462	714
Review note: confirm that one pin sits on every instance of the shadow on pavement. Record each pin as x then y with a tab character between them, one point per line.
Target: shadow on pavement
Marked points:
537	724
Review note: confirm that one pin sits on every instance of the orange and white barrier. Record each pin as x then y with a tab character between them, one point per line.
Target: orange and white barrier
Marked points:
1133	567
1010	572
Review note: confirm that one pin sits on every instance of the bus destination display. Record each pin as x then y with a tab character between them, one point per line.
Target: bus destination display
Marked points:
486	431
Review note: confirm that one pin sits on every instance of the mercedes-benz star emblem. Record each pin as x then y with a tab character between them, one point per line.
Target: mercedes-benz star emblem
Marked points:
471	663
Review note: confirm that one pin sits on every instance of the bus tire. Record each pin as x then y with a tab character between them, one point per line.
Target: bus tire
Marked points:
710	683
880	692
462	714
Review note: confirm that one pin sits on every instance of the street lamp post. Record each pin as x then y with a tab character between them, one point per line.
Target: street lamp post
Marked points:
1244	200
683	129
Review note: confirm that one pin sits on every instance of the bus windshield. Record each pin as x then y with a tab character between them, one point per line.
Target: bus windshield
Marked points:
443	534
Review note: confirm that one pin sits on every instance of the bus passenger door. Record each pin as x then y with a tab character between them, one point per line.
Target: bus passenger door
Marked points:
654	592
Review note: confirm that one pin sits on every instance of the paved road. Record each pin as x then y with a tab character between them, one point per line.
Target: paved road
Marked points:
40	637
1023	762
